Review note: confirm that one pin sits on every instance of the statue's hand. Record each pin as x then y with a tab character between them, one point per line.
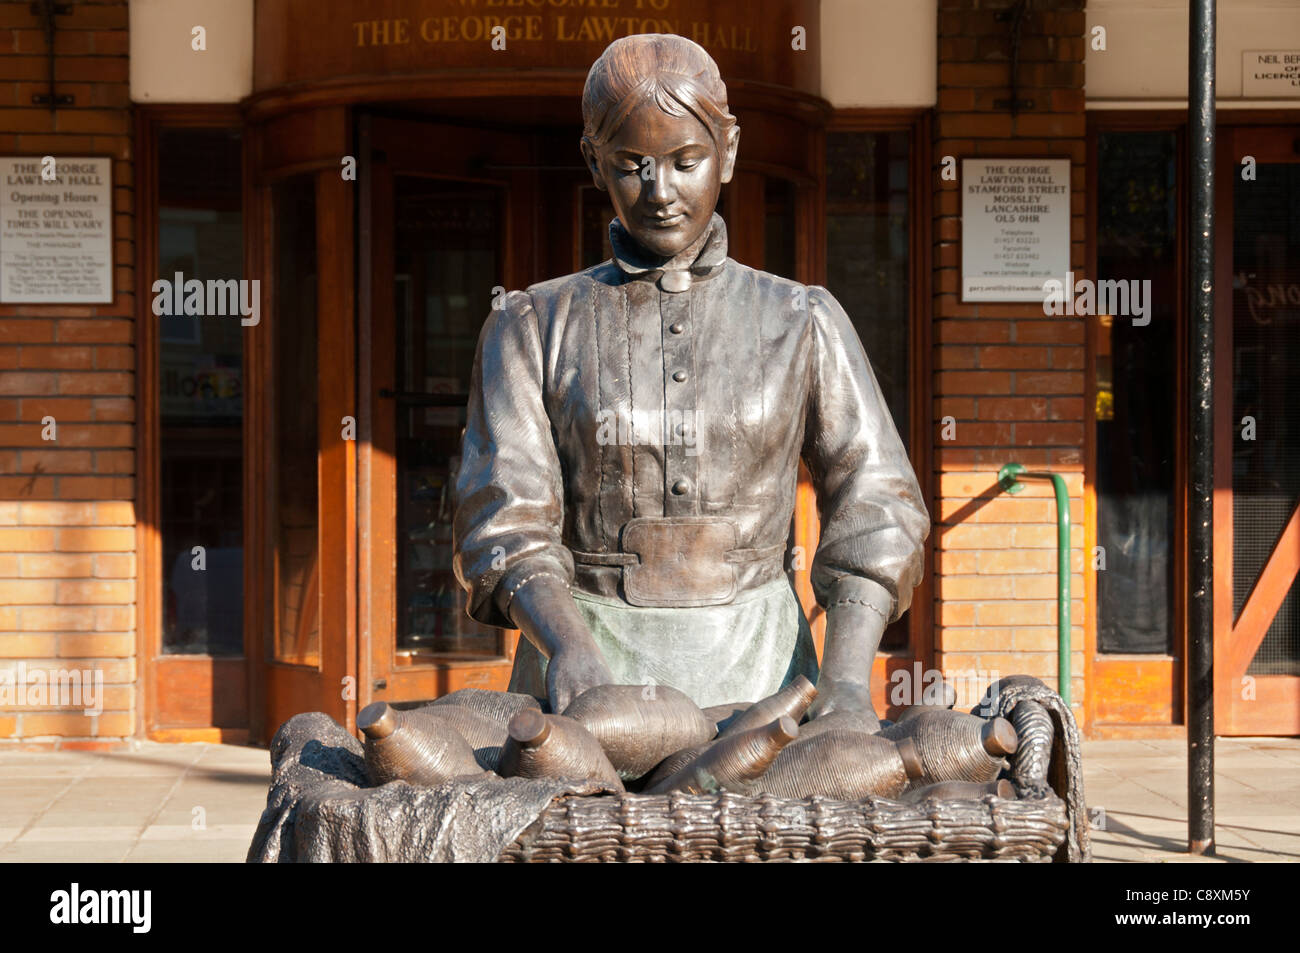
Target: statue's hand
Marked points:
571	672
840	695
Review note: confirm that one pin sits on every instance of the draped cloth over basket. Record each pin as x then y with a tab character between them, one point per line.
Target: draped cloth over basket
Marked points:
319	808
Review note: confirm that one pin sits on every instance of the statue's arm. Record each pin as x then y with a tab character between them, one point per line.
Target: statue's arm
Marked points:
544	610
873	519
509	553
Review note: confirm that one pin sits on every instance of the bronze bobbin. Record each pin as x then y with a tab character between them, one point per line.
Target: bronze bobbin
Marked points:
961	791
791	701
734	763
553	746
845	765
640	725
407	746
955	746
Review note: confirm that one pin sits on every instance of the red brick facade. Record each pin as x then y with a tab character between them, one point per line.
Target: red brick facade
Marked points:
1011	379
67	512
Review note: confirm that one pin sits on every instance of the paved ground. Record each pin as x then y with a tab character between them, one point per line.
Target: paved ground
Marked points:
158	802
1137	791
201	802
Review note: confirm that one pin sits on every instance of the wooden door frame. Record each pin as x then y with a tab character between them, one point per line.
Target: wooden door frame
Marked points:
1274	706
305	142
377	470
1153	683
186	672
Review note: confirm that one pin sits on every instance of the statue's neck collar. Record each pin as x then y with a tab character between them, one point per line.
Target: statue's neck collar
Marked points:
702	260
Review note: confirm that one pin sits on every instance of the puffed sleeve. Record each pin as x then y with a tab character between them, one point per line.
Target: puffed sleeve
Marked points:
873	520
509	491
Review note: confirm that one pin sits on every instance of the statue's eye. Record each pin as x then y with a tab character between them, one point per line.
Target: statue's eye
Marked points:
687	164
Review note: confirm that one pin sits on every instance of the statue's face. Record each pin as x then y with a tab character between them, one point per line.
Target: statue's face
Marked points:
663	174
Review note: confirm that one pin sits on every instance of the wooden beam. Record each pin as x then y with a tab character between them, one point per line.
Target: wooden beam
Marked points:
1266	598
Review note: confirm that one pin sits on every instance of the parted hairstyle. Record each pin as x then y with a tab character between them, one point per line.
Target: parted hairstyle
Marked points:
676	73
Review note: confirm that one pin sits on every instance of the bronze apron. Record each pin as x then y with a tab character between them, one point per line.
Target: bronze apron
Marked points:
681	622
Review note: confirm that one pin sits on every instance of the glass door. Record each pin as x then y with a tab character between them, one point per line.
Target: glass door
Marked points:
1257	522
192	563
300	483
447	260
447	226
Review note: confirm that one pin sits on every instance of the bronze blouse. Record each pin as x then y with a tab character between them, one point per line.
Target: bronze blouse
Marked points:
636	417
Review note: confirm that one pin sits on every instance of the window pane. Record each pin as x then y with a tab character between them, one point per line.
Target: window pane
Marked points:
447	262
779	227
201	397
293	325
1136	393
868	264
867	251
595	214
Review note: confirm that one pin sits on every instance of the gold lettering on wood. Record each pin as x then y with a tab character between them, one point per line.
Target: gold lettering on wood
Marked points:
569	27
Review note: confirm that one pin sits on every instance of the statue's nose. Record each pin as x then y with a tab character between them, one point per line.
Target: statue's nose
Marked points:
658	188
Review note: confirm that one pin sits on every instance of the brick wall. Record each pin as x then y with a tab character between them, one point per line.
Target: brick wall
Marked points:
1012	379
67	516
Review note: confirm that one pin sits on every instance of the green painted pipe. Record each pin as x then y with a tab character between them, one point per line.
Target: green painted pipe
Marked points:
1009	478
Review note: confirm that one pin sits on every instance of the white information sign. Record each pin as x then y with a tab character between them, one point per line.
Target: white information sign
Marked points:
1015	227
1271	74
56	230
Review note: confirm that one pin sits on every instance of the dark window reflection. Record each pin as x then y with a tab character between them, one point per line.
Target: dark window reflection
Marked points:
447	262
1265	327
201	397
1136	393
868	264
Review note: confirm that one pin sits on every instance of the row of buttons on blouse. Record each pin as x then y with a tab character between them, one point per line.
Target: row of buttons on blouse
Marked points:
682	486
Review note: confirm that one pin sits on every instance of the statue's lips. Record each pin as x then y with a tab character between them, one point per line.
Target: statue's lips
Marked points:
671	221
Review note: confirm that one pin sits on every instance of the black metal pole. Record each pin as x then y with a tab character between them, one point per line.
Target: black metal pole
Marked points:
1200	516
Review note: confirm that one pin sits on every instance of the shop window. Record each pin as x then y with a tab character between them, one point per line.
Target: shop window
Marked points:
200	391
1136	393
868	264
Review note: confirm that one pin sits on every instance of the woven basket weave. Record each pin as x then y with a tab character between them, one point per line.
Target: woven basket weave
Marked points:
733	828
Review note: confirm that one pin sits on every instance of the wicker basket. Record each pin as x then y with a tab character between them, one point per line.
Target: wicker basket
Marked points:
733	828
321	808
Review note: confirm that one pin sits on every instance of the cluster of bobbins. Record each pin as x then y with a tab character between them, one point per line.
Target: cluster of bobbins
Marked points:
655	740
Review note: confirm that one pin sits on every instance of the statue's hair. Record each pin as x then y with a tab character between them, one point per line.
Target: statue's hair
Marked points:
677	74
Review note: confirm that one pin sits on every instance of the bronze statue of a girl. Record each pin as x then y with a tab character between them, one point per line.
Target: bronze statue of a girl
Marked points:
634	431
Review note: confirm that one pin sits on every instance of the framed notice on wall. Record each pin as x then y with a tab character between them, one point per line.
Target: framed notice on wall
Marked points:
1015	227
56	230
1270	73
